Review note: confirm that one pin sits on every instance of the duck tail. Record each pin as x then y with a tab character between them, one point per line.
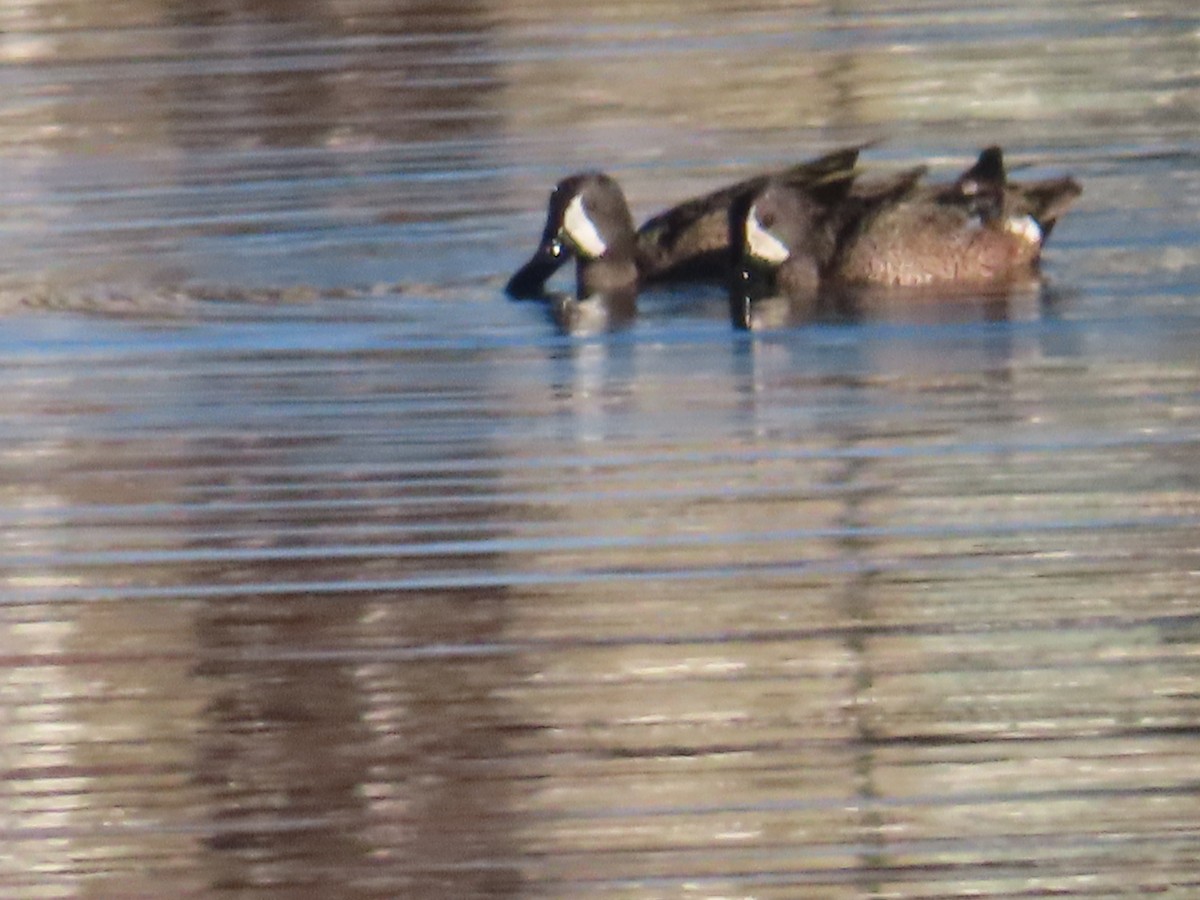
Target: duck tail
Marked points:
1050	199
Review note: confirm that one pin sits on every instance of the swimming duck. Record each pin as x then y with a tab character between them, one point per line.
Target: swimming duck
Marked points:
979	232
588	219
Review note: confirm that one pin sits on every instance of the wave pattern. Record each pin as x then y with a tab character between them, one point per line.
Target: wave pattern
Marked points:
328	571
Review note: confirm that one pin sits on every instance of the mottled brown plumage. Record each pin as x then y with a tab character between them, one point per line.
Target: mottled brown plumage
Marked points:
981	231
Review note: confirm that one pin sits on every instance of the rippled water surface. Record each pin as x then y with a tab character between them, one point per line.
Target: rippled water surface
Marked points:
328	571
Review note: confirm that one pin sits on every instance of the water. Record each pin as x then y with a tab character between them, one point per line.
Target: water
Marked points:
329	571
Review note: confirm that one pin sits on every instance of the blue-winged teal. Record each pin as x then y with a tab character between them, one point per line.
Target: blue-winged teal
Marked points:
588	220
979	232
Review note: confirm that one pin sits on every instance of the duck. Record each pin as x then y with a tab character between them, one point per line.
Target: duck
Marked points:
797	256
981	230
588	220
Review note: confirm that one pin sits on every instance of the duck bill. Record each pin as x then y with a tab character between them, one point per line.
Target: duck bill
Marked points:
529	281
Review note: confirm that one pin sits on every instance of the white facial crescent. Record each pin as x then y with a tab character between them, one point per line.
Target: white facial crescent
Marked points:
761	243
580	229
1024	227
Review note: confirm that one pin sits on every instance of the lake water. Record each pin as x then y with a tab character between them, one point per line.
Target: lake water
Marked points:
329	571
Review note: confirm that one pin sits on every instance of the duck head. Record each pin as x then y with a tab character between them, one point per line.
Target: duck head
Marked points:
587	220
782	238
1026	210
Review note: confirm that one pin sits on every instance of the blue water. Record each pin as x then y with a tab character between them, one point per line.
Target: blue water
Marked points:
329	570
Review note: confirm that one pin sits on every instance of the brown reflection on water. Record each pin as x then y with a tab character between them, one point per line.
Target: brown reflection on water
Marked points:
343	83
236	74
346	742
353	740
215	731
139	153
866	705
98	703
776	624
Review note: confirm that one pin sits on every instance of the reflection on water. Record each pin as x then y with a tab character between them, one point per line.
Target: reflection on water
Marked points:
329	571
